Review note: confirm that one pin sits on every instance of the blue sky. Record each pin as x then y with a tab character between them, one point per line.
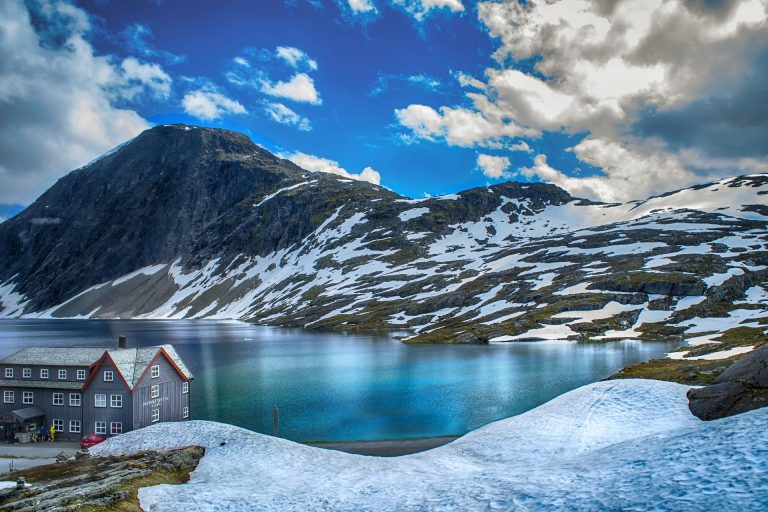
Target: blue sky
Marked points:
421	96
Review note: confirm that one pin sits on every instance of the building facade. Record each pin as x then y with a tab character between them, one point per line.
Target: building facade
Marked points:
91	390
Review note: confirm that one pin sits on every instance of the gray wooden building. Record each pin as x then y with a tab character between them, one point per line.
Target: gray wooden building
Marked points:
92	390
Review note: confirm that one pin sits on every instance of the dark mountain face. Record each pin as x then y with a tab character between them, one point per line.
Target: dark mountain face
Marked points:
147	202
177	192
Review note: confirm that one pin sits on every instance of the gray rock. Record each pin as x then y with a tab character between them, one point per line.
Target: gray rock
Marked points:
742	387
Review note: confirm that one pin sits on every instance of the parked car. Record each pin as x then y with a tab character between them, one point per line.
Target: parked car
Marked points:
89	440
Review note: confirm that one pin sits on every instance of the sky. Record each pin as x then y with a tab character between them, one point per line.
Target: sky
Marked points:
610	100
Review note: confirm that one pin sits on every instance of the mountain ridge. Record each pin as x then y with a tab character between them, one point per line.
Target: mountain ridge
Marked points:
191	222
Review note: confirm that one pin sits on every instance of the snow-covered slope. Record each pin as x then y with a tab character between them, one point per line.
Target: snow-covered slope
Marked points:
620	445
503	263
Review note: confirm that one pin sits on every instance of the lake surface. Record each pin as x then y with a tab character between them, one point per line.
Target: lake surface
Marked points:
346	387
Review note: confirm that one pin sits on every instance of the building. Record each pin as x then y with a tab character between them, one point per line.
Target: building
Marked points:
92	390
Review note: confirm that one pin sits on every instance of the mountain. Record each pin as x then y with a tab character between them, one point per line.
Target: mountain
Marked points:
188	222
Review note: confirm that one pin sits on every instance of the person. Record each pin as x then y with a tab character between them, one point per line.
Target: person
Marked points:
42	433
53	432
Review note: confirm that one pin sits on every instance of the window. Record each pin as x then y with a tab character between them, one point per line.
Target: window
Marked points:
74	399
81	374
185	387
116	427
155	391
58	425
101	401
185	412
44	373
155	415
58	399
28	397
26	373
109	376
74	426
115	400
101	427
8	397
9	373
155	371
62	374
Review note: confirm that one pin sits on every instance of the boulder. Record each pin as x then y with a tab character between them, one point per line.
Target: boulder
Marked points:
742	387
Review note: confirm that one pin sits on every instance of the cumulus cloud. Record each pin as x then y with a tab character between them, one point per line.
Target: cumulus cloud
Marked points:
58	98
208	104
284	115
460	126
361	6
419	9
295	57
314	163
141	76
299	88
495	167
632	74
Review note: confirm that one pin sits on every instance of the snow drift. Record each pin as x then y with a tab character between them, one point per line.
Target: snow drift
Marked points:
629	445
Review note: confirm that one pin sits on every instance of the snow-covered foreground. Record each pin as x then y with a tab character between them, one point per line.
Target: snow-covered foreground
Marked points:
629	445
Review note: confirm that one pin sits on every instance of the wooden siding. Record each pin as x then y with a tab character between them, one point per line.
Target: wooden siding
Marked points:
170	402
92	414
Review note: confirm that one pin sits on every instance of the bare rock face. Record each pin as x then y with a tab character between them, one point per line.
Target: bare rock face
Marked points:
741	388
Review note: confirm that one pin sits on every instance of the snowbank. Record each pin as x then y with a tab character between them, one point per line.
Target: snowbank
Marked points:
629	444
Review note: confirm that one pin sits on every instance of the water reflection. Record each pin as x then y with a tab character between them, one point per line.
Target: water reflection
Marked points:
343	387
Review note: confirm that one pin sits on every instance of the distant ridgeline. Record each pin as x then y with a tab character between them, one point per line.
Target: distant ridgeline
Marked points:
201	223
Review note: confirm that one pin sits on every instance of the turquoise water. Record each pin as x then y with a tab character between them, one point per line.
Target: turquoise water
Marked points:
347	387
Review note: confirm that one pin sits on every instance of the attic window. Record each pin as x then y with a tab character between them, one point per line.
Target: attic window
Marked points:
26	373
81	375
109	376
155	371
9	373
185	387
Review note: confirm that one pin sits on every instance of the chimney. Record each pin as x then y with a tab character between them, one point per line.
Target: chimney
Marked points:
121	342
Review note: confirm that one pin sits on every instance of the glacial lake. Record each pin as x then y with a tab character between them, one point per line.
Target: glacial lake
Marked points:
338	387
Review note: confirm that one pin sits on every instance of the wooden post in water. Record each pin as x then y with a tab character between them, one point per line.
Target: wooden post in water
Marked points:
276	420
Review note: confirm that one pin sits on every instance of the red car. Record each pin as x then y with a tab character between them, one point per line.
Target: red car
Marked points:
89	440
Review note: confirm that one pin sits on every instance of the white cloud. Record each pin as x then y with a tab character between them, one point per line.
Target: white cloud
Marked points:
300	88
632	171
419	9
208	104
361	6
295	57
150	77
240	61
495	167
599	67
284	115
460	126
314	163
57	99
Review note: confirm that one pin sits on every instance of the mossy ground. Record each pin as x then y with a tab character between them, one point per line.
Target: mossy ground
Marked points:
155	469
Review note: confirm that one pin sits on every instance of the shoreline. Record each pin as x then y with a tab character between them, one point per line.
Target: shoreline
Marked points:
386	447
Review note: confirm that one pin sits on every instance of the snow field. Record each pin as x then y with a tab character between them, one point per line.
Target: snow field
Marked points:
627	444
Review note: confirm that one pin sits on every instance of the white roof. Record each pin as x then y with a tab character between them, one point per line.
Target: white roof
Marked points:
130	362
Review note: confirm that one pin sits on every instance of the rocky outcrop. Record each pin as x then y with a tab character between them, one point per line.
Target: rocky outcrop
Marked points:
105	483
740	388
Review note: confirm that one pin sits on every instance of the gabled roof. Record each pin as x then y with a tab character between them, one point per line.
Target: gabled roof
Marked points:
130	363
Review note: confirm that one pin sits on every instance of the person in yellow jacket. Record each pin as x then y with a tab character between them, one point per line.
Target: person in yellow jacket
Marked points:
53	432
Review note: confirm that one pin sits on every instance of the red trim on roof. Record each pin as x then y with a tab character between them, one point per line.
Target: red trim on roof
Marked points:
152	362
95	366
